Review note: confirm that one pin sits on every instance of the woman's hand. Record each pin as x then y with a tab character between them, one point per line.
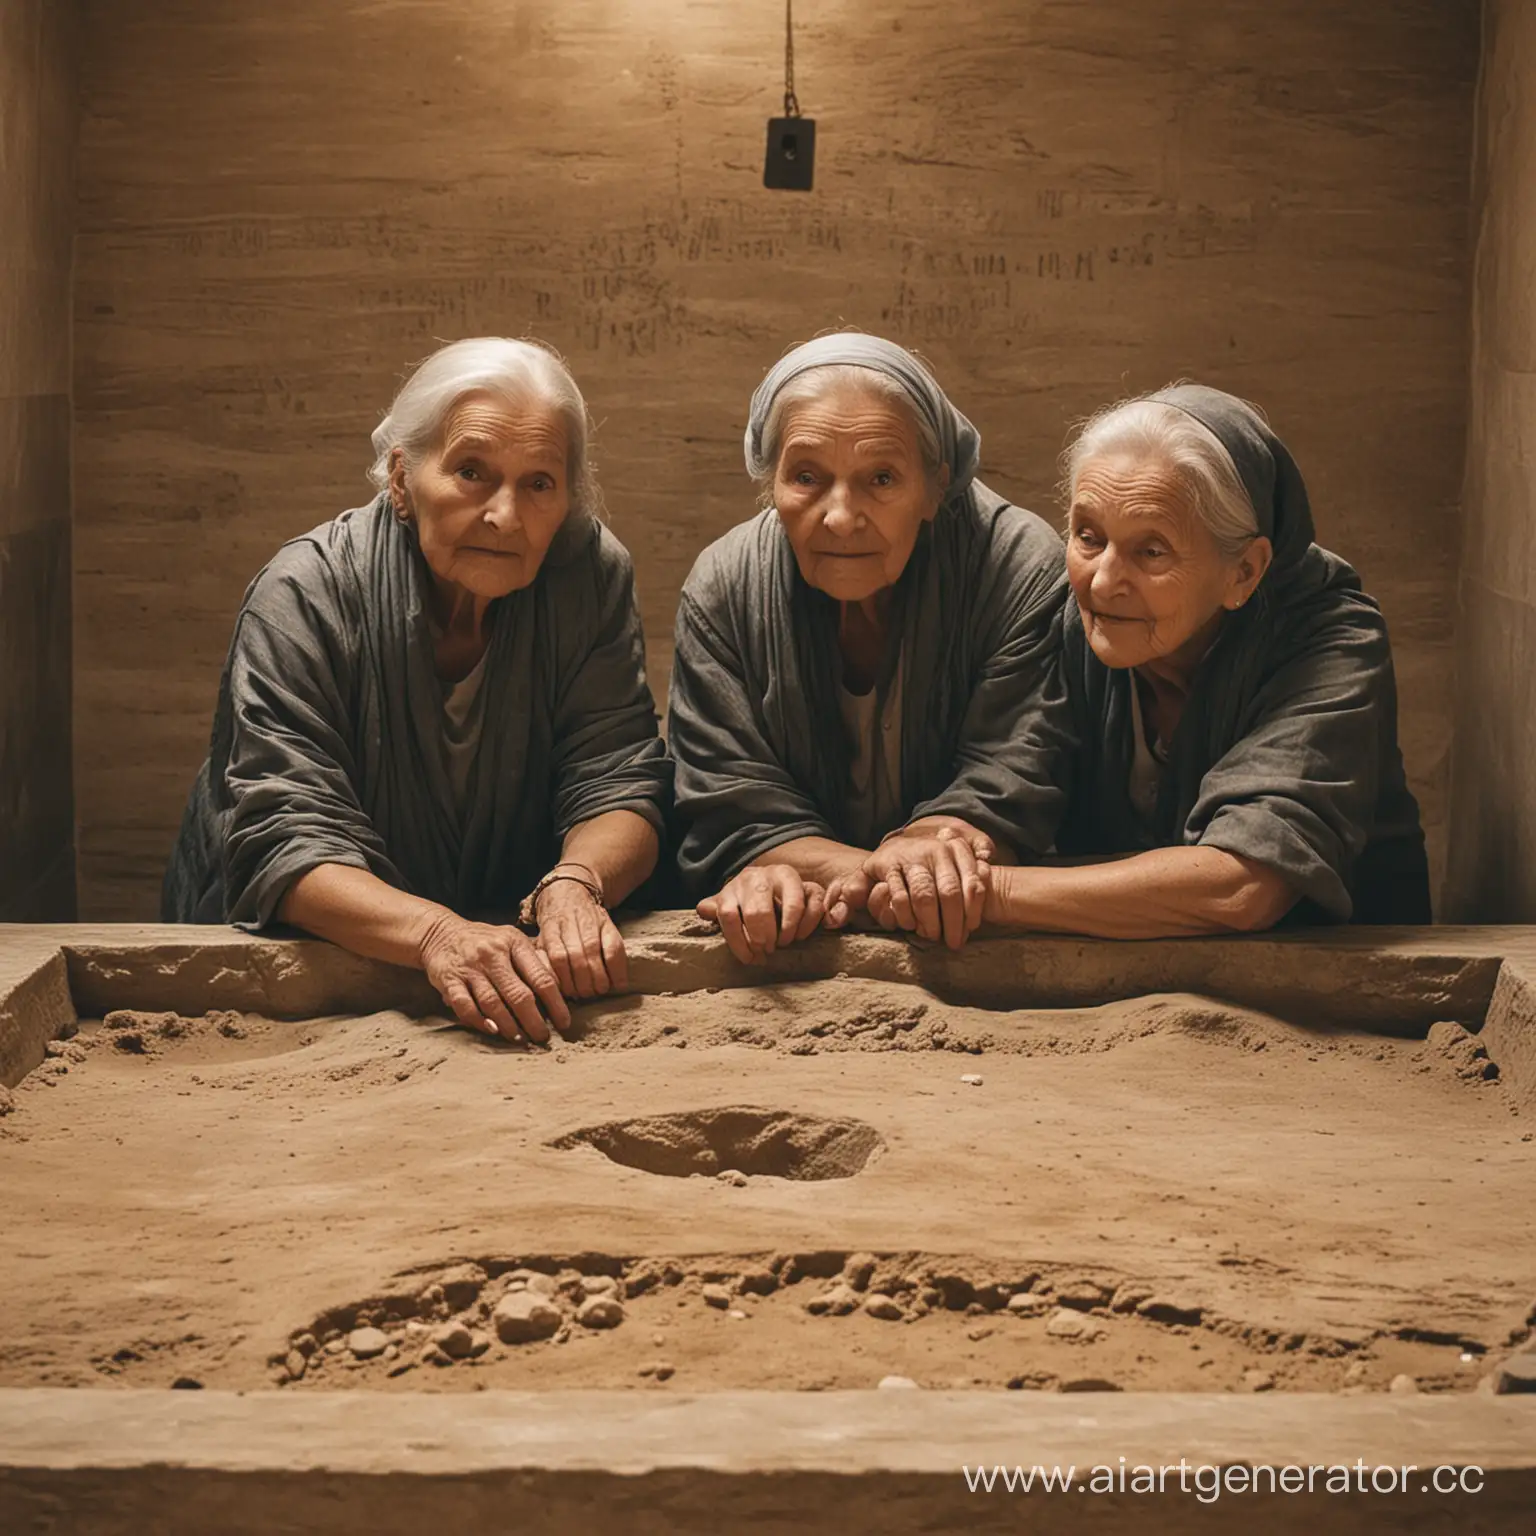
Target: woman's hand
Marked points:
931	882
495	979
763	908
581	941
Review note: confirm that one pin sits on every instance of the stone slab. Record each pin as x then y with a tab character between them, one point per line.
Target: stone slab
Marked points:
107	1463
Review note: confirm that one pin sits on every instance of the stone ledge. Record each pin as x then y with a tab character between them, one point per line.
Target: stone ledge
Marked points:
99	1461
631	1433
1395	980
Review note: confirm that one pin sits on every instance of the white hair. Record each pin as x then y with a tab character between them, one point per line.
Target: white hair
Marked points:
1150	429
515	370
815	384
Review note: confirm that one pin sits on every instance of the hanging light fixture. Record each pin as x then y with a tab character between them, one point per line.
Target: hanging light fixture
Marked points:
791	160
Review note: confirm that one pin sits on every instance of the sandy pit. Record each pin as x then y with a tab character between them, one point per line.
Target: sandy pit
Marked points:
813	1185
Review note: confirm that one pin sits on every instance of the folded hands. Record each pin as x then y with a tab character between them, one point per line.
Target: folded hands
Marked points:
929	879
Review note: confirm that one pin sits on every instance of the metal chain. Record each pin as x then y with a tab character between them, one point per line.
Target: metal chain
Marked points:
791	101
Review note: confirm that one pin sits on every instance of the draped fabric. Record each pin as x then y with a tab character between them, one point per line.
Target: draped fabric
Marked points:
754	720
327	742
1287	751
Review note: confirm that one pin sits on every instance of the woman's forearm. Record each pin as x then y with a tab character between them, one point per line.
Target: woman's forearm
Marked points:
815	858
362	913
1163	893
619	847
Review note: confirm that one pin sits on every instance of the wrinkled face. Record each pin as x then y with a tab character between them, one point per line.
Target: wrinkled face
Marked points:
1150	580
488	498
850	491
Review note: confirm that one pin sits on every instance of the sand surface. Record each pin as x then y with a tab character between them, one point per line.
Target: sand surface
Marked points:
1164	1194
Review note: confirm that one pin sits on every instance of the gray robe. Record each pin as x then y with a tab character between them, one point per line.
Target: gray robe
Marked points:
327	738
1287	751
754	722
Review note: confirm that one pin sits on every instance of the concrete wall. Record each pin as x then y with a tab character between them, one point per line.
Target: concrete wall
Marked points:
284	205
1492	866
38	106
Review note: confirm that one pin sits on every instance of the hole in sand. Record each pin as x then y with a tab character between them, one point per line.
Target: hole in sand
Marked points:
768	1142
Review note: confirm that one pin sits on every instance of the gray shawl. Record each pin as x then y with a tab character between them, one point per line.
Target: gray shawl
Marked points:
1287	749
327	737
754	722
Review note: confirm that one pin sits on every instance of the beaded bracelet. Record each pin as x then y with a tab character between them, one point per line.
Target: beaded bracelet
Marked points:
527	914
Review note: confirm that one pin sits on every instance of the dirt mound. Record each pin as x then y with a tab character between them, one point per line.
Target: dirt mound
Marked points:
812	1018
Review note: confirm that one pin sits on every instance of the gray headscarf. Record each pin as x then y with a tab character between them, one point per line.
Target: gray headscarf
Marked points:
959	442
1264	465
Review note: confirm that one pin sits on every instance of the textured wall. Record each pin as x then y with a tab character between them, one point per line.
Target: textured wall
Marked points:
1492	866
284	204
37	132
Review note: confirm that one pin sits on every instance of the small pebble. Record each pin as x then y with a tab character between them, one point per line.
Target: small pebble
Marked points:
598	1285
1403	1385
523	1316
976	1335
601	1312
716	1296
1083	1294
1170	1309
335	1346
973	1079
733	1176
1258	1381
367	1343
660	1370
454	1339
857	1269
391	1352
1065	1324
838	1302
738	1314
533	1280
896	1383
658	1339
1025	1304
432	1355
295	1363
883	1307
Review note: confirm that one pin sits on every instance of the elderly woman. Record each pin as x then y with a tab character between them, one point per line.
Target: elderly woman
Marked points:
869	663
430	699
1233	693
